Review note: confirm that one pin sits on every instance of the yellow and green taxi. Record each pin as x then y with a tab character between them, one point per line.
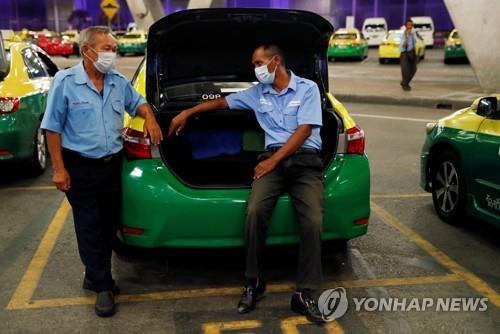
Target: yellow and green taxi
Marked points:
347	43
132	42
460	163
192	189
25	76
453	49
388	50
72	36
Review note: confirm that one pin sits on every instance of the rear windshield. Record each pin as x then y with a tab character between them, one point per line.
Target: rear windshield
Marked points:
422	26
455	34
396	36
344	36
4	64
132	36
202	91
374	27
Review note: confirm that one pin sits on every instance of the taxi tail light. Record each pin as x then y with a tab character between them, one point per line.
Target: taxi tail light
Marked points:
132	230
355	141
9	105
362	221
138	147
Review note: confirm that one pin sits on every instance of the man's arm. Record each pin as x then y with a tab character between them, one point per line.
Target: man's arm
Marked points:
179	122
151	127
61	176
296	140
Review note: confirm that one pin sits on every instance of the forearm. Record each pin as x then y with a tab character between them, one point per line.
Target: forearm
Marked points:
219	103
296	140
145	111
55	150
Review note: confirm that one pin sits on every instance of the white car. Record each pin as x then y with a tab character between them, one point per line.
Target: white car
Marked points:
374	30
424	25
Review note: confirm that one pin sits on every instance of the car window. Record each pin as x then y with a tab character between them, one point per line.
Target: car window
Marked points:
48	63
423	26
395	36
202	91
132	36
344	36
6	64
35	67
455	34
374	27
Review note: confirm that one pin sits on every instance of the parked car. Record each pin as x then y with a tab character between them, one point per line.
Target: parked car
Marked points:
54	46
347	43
72	36
374	30
460	163
133	42
389	48
173	194
26	72
424	25
454	49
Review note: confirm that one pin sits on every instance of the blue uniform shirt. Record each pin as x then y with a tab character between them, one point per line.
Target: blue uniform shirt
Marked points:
279	114
89	123
411	41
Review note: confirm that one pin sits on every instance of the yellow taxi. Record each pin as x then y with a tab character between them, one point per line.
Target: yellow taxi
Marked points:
26	72
389	48
72	36
133	42
347	43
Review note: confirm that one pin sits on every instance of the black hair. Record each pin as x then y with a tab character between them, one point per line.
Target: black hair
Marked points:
272	50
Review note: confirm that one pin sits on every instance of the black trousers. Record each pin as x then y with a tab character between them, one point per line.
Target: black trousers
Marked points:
95	197
301	175
408	61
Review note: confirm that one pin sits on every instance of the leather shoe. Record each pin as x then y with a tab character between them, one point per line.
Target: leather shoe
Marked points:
88	285
303	303
105	304
251	294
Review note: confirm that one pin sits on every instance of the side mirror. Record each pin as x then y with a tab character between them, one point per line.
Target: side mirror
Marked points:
487	106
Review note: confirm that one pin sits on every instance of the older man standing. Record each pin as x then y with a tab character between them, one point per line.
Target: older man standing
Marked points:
83	122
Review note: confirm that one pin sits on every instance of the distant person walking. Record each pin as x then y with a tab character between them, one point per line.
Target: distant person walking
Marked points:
408	58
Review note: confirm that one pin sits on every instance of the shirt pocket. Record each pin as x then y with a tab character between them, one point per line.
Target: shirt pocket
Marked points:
290	117
117	115
83	118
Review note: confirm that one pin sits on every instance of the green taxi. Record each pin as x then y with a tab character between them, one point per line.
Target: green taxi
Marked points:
347	43
132	42
192	189
25	76
460	163
453	49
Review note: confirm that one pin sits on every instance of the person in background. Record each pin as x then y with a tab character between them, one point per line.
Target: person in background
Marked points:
408	58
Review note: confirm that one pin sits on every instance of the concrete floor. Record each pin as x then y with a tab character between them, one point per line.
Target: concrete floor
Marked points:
407	253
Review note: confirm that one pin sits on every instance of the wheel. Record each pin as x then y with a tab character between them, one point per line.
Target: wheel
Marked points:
39	160
448	188
381	61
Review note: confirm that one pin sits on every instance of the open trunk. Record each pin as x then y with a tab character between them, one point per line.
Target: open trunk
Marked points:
203	54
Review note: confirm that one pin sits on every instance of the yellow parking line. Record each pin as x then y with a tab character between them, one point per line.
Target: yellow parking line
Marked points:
32	188
400	196
218	327
471	279
29	282
289	326
235	291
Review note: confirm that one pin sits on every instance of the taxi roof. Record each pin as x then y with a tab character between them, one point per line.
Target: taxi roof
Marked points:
347	31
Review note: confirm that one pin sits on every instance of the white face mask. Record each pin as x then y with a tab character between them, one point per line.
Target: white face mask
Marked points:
106	61
263	75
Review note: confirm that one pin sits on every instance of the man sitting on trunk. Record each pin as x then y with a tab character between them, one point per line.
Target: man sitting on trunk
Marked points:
288	108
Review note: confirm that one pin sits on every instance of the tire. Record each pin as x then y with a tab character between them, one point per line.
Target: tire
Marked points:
39	159
381	61
449	193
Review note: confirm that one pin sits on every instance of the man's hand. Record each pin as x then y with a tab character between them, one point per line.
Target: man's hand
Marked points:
62	180
178	123
152	129
264	167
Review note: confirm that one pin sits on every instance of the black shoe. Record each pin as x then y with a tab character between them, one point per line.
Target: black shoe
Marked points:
105	304
88	285
407	88
251	294
303	303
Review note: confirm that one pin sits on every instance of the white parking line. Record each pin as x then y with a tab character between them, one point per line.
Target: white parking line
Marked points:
409	119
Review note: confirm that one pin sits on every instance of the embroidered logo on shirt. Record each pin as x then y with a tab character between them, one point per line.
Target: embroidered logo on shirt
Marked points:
79	104
294	103
266	102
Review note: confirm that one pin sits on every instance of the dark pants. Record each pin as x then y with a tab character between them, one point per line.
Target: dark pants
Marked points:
95	197
301	175
408	61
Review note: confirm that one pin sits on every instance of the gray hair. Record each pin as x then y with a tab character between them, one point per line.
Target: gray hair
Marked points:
87	36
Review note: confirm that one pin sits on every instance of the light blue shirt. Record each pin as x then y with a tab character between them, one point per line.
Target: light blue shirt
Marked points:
279	114
411	41
89	123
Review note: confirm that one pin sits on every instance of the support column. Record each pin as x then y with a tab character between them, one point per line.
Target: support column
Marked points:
479	27
145	12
